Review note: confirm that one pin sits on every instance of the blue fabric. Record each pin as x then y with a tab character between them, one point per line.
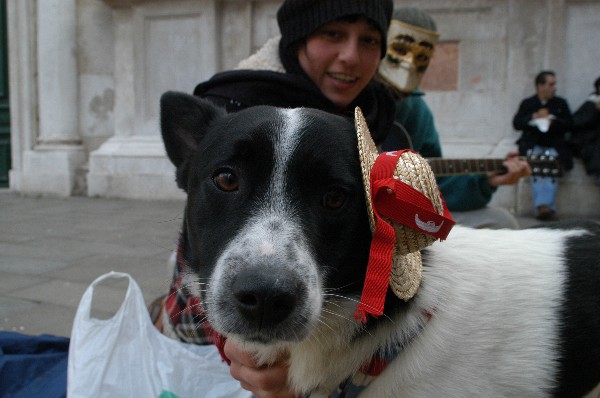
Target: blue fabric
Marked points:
33	366
543	189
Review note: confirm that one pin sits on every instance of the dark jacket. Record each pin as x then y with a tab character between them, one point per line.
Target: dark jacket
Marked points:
586	122
585	140
461	192
239	89
555	137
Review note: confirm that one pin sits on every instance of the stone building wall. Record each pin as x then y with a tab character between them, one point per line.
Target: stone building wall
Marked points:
86	76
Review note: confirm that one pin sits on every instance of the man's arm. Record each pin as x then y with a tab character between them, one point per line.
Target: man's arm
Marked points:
562	115
472	192
524	115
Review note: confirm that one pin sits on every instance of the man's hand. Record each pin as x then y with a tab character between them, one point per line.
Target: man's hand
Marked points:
515	170
262	381
542	112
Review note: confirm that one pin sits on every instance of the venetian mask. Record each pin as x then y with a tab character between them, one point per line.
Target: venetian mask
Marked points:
409	51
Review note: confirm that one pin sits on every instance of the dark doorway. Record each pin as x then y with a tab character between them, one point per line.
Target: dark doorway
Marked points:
4	102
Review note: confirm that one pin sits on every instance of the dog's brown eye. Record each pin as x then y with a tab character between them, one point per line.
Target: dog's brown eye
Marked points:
226	180
334	199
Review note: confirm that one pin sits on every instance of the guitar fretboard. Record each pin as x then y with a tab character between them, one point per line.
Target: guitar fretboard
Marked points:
541	166
448	167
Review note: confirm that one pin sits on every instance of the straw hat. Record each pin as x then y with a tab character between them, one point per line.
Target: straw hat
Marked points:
407	213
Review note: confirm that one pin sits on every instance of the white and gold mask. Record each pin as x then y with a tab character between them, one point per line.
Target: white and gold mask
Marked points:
409	51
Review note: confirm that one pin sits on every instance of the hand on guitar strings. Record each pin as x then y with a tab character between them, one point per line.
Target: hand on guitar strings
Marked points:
516	168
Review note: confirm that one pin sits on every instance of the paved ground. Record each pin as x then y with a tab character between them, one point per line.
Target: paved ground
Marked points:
51	250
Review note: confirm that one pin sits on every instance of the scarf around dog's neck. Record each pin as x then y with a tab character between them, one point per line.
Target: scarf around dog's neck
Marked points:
356	383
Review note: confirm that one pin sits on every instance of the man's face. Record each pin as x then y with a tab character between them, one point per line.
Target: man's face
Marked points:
547	90
409	52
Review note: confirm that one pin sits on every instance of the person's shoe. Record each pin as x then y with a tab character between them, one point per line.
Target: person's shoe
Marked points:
545	213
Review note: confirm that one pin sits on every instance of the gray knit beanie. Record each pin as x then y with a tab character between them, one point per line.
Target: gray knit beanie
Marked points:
299	18
415	17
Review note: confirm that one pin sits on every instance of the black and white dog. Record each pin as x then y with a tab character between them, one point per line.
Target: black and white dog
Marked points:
276	221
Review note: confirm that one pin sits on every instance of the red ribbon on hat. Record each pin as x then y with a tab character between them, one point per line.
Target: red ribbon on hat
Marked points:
401	203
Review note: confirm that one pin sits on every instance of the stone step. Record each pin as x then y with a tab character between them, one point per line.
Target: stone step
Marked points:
578	195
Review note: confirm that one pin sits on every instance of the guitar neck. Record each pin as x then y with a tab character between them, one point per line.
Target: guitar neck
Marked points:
450	167
541	166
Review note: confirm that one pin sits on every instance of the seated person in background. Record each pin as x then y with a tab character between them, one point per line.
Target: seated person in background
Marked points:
585	140
411	40
544	120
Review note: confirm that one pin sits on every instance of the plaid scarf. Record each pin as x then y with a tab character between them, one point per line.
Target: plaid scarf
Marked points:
354	385
183	317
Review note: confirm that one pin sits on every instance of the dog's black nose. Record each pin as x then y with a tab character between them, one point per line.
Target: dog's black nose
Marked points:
265	298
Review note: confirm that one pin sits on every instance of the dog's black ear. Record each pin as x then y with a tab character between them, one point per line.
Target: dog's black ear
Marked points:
183	121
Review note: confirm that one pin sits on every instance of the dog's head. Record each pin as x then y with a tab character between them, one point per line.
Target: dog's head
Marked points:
276	218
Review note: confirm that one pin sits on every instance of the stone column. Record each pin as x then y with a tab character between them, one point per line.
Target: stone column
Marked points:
159	46
22	84
50	166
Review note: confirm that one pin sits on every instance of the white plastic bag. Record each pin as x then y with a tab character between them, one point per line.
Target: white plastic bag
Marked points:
125	356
